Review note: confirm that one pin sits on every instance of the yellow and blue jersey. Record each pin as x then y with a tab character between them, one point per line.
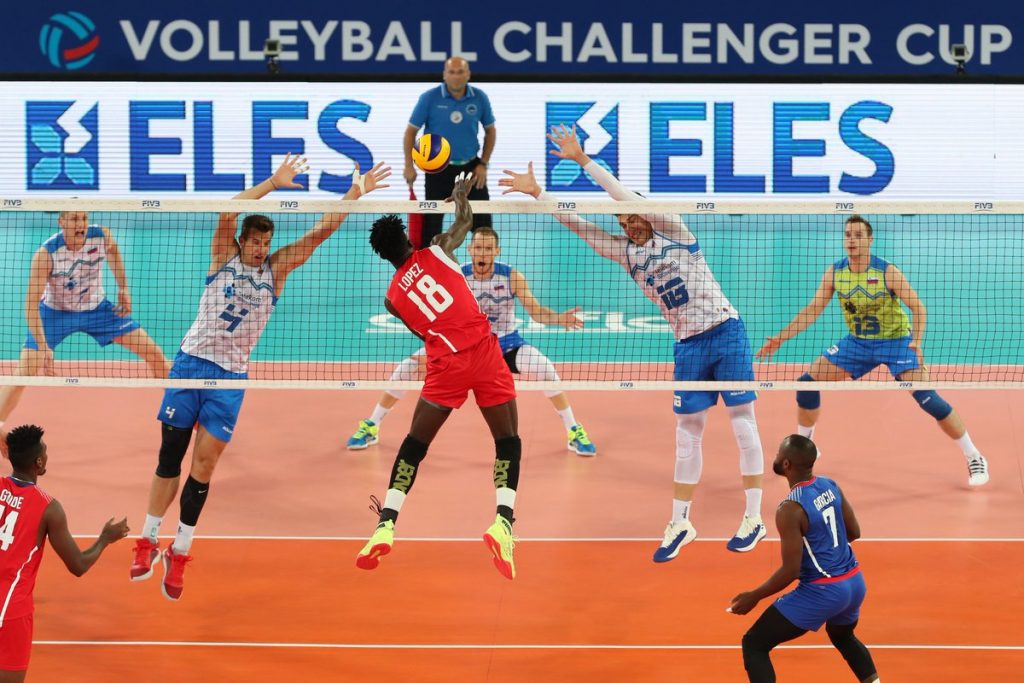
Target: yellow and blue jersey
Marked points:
871	309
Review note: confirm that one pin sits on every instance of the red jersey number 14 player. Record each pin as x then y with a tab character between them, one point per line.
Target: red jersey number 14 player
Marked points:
28	516
430	295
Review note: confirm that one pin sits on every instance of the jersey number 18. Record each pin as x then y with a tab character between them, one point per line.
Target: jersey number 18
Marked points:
436	299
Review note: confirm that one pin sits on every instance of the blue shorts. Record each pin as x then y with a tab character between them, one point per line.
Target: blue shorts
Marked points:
101	323
860	356
511	341
722	353
215	409
812	604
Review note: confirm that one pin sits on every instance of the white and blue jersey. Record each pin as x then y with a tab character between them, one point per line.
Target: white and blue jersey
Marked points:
76	277
233	312
74	299
498	303
676	278
831	587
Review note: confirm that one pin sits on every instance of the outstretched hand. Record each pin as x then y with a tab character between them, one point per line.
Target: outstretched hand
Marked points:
569	320
460	192
374	180
285	174
520	182
567	144
771	345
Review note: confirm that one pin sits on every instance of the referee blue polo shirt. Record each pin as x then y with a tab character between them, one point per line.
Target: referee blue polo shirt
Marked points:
454	119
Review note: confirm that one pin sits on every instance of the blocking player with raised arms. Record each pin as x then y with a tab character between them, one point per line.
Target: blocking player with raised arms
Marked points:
243	284
66	295
816	525
496	286
665	260
870	292
28	517
430	295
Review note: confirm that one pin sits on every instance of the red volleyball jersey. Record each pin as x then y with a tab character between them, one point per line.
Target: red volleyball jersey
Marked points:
21	513
432	297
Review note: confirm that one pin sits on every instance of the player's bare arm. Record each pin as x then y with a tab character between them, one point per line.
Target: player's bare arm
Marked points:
453	238
39	273
791	521
898	283
599	240
542	314
224	246
804	319
114	258
849	519
78	561
290	257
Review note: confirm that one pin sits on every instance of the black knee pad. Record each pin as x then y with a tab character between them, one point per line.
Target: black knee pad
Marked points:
173	446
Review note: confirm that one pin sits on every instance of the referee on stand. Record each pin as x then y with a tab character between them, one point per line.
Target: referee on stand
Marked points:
454	110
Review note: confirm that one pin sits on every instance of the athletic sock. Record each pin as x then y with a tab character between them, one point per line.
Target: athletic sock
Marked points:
806	431
379	413
753	502
967	446
151	527
680	510
568	419
183	539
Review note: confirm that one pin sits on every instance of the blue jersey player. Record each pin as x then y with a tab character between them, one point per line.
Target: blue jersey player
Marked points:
816	526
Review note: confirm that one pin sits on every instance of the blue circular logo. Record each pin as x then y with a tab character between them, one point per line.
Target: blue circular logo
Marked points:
69	40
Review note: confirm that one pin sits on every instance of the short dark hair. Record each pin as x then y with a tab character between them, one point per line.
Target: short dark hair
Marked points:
800	451
388	238
856	218
487	231
255	222
23	445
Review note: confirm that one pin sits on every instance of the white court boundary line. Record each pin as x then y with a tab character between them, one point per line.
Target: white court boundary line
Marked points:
527	539
499	646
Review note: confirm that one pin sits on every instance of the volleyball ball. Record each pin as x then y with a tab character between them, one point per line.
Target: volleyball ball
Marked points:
432	153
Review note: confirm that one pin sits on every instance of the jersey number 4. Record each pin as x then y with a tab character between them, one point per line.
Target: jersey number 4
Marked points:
7	521
228	314
436	299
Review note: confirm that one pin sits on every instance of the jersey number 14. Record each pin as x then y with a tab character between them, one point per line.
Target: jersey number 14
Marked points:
7	521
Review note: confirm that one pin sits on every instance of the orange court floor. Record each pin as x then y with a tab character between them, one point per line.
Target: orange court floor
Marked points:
274	595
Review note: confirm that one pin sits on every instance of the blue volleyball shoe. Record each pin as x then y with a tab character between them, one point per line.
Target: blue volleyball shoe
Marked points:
750	533
677	534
